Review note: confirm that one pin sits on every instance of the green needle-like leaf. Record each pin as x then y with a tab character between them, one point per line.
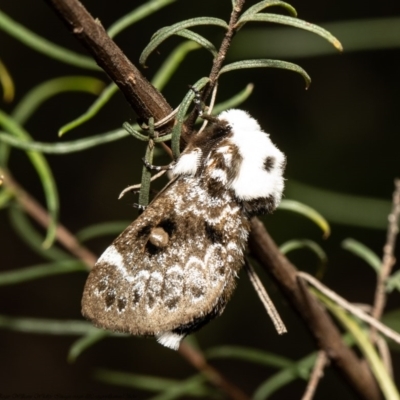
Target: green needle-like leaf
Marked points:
296	23
362	251
102	229
46	177
181	114
44	46
310	213
136	15
45	90
267	64
6	84
66	147
363	341
171	64
31	236
202	41
84	343
40	271
248	354
166	32
105	96
269	3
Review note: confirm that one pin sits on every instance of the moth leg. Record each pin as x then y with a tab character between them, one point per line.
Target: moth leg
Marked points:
158	167
197	100
200	107
139	206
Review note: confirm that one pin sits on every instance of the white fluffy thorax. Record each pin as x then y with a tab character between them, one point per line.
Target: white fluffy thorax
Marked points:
254	145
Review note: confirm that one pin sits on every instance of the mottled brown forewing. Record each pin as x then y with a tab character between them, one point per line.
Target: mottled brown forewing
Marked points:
143	287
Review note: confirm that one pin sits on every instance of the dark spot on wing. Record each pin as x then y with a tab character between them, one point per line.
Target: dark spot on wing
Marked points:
212	234
151	249
121	304
144	231
150	300
221	269
172	302
110	298
269	163
102	286
197	291
136	296
168	225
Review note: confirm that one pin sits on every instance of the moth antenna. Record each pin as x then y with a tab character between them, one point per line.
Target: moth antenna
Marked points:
158	167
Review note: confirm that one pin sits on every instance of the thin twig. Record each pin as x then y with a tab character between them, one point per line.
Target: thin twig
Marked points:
265	299
219	59
316	318
198	360
39	214
316	375
390	333
225	44
388	260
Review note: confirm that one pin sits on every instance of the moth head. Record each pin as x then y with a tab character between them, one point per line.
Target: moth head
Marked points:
199	146
259	165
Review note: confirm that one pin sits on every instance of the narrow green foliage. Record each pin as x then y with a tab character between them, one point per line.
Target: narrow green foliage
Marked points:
47	326
297	244
180	116
40	271
7	84
172	63
103	99
101	229
234	101
300	369
269	3
267	64
136	15
84	343
342	208
393	283
294	22
310	213
362	251
44	172
45	90
167	388
66	147
363	341
32	238
200	40
166	32
44	46
144	195
5	197
251	355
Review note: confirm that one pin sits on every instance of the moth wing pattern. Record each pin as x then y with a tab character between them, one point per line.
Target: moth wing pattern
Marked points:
172	269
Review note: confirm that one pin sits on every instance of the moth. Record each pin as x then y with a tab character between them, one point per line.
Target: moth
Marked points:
173	269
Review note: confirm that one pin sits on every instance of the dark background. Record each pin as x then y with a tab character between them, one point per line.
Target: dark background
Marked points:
341	135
